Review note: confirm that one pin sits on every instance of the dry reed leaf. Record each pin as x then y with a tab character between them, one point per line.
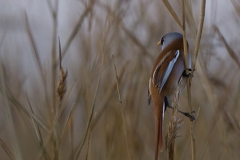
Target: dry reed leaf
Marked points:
170	9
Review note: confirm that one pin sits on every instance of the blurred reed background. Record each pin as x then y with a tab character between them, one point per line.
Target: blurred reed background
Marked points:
99	117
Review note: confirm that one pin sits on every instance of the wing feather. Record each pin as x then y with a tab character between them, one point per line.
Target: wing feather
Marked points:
164	68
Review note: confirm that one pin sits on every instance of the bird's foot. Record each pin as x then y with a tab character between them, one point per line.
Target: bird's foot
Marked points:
190	116
188	72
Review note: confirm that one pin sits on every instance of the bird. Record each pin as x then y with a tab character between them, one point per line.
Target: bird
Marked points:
168	73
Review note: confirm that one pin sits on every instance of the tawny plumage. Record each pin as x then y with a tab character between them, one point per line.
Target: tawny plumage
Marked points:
165	77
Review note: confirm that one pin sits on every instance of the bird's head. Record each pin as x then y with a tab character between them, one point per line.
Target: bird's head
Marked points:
169	38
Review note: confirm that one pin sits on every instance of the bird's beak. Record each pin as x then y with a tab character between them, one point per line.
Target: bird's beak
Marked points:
159	43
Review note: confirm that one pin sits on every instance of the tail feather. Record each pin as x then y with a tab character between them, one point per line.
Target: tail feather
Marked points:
159	116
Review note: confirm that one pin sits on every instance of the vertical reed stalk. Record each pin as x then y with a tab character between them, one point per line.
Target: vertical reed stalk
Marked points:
188	79
173	128
121	108
8	112
53	80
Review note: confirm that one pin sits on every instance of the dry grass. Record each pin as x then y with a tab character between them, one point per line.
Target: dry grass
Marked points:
173	128
98	109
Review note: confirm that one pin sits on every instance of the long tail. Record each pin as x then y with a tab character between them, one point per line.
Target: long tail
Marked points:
159	117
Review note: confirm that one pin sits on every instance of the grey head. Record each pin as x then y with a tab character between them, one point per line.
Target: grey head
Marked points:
169	37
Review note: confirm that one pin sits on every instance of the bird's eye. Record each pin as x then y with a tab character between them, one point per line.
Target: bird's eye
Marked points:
162	40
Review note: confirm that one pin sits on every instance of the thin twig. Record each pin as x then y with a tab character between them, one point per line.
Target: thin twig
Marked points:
188	79
37	131
190	136
90	118
170	9
109	94
199	33
77	27
229	49
8	112
184	37
53	81
7	149
51	131
37	59
121	107
12	99
71	111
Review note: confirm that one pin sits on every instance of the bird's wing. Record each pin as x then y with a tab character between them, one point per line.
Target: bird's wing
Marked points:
149	97
164	68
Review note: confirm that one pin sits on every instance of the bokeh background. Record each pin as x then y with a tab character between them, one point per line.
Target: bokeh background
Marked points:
90	122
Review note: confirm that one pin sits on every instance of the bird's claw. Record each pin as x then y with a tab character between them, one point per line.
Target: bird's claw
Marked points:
189	74
191	117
